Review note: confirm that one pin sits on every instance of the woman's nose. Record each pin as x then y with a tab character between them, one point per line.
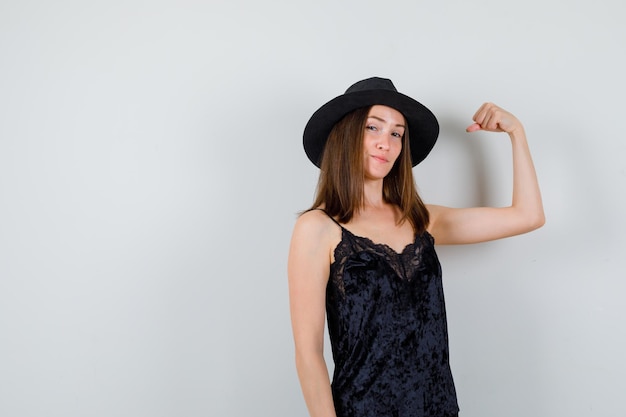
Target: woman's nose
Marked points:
383	143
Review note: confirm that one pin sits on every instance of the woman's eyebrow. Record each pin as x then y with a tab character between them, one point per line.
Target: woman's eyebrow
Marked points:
384	121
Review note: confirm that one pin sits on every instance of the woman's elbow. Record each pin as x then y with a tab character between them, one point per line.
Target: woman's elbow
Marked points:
536	221
308	361
305	356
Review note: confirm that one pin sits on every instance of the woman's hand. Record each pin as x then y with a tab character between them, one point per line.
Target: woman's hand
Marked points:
492	118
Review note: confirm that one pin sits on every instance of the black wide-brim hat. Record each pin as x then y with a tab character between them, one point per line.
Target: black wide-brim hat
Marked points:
423	125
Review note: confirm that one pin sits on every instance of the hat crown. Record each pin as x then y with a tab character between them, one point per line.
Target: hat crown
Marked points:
374	83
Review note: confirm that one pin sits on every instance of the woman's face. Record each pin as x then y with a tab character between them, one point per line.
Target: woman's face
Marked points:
382	140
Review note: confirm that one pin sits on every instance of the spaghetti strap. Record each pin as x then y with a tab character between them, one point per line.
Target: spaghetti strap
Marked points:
330	217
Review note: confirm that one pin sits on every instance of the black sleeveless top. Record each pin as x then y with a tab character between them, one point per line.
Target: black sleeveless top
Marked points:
388	332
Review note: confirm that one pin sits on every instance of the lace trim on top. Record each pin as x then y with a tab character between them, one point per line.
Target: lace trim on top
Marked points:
405	264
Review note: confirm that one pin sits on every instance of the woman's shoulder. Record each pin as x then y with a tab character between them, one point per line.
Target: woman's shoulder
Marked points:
315	221
316	225
316	232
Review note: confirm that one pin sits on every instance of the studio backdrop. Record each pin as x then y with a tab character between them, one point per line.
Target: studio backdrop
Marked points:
151	171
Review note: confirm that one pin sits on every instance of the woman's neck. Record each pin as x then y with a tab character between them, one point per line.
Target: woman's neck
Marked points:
373	194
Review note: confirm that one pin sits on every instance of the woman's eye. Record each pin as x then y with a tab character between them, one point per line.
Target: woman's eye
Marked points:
396	134
370	127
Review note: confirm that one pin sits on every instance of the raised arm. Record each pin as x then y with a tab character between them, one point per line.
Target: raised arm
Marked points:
308	271
480	224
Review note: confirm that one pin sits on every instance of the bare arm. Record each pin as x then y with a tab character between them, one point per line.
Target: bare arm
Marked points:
308	270
480	224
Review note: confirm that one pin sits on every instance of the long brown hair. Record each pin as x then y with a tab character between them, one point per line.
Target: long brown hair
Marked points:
341	181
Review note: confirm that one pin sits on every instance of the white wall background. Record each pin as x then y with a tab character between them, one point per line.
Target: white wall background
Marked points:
151	168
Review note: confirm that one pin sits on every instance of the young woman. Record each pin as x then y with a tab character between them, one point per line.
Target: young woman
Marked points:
363	256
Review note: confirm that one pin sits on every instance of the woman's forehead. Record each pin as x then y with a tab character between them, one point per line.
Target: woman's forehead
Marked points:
387	114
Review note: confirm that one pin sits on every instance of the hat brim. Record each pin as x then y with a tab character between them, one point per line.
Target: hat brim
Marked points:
423	125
